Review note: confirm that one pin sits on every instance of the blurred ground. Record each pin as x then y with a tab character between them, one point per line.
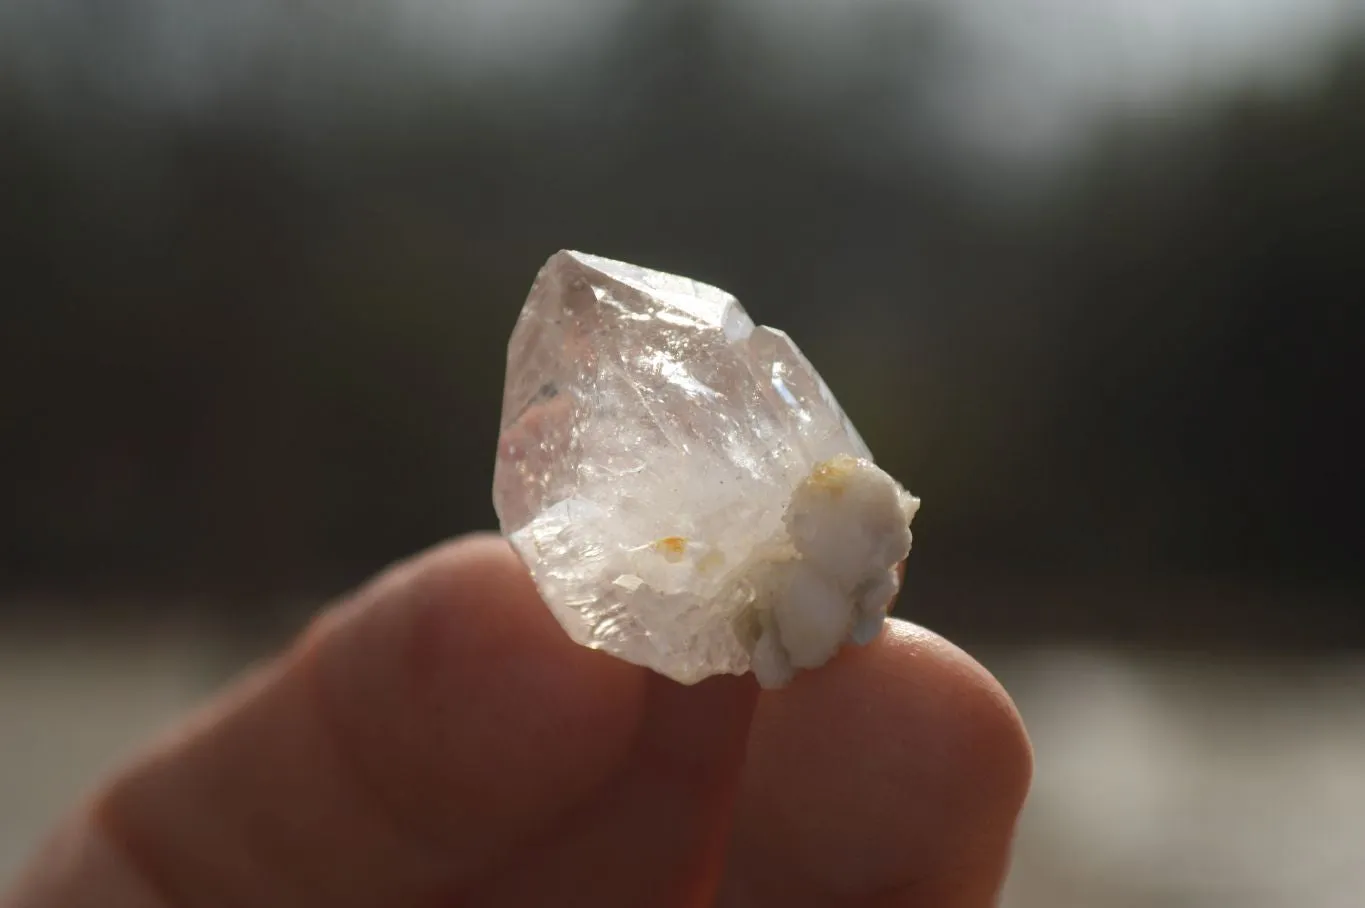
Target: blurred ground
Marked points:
1162	780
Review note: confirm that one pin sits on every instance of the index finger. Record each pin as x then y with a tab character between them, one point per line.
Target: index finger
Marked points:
424	744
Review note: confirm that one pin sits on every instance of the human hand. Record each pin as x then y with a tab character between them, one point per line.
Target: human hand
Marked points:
437	741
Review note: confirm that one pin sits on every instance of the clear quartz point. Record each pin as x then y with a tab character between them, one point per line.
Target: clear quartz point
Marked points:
682	485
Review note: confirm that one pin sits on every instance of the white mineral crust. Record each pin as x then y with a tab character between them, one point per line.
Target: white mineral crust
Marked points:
683	487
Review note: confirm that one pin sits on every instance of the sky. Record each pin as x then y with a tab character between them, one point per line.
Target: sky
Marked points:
1032	76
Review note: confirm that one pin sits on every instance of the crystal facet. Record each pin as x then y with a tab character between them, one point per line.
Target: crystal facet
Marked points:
683	487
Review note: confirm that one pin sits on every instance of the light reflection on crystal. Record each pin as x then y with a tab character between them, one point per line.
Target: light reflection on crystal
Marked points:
651	441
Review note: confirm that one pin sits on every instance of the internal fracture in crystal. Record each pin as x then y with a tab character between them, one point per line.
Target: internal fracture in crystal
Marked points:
682	486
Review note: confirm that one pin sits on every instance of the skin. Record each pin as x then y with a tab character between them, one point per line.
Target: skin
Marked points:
437	741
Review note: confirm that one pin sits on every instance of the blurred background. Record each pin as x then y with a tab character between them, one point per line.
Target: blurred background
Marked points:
1088	274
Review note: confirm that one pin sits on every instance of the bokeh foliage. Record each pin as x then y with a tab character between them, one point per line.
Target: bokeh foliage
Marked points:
255	345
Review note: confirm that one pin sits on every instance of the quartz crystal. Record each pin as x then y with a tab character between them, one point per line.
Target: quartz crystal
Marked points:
681	484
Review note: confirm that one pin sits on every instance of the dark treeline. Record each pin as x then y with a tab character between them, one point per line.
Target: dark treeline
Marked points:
257	347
